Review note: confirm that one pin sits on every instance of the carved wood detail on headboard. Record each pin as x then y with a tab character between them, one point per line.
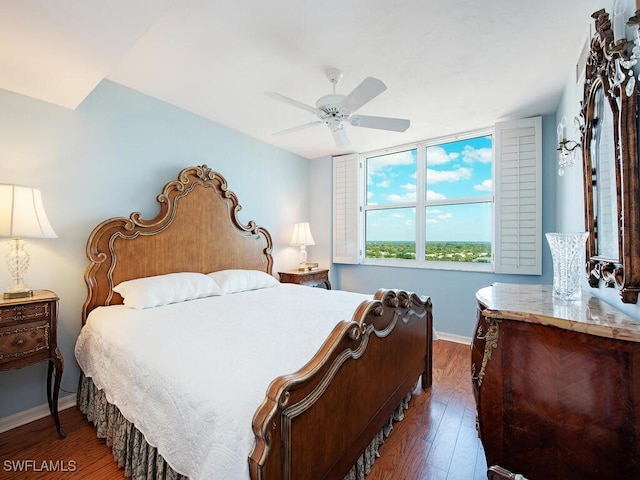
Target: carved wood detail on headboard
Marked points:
197	230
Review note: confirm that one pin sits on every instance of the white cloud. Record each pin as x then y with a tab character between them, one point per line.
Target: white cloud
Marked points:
431	195
485	186
432	211
446	216
410	187
437	156
384	184
374	164
472	155
431	221
407	197
461	173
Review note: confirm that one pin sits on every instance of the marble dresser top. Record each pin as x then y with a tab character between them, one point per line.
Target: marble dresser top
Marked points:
535	304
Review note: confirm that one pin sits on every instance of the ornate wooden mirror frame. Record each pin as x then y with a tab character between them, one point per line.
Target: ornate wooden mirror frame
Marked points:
609	144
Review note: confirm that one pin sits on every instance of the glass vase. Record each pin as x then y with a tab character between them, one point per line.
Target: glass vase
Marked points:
567	253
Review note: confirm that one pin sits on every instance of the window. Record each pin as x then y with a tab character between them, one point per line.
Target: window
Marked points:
459	200
455	203
390	206
445	203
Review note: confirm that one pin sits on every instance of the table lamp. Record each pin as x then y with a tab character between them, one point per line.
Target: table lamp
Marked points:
302	237
21	215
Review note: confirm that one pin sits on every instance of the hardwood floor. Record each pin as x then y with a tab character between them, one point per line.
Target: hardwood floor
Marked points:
437	439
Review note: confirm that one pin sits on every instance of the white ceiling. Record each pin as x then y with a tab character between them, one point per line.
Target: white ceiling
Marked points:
449	67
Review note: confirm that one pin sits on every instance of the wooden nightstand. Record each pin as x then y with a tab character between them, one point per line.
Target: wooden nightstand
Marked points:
28	335
311	278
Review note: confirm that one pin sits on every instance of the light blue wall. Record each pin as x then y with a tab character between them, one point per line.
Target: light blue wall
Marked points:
570	204
452	292
110	156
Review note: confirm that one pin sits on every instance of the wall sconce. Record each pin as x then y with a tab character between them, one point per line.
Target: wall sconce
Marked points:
21	215
302	237
566	148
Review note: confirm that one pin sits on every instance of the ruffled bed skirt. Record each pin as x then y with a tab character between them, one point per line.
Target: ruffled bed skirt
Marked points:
134	455
141	461
366	460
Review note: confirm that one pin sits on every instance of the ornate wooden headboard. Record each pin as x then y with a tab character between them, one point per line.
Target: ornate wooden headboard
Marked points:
197	230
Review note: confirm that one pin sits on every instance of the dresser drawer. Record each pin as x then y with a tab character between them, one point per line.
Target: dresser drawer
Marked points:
24	313
20	341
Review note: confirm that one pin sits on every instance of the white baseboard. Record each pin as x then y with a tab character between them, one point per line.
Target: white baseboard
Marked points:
35	413
452	337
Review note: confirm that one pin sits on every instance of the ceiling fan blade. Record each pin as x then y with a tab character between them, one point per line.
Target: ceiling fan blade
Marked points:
295	103
381	123
340	137
369	89
299	127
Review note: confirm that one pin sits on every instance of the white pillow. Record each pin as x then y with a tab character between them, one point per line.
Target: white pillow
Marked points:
233	281
158	290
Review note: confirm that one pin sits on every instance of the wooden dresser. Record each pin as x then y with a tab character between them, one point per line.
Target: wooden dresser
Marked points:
556	384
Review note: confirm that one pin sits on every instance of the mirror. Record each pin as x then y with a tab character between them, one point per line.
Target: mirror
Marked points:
602	151
610	157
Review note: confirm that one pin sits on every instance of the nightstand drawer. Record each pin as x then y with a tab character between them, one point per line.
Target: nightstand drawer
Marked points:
18	342
21	313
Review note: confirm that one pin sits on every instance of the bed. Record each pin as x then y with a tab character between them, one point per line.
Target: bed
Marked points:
186	335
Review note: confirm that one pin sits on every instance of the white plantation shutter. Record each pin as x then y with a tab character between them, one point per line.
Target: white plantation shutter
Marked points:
346	184
518	197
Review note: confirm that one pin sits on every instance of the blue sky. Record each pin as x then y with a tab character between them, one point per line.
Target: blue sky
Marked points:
455	170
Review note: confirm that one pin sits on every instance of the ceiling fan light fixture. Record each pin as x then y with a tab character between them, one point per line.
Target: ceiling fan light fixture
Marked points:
334	108
334	124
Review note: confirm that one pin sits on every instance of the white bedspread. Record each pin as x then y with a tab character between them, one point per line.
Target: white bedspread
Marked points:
191	375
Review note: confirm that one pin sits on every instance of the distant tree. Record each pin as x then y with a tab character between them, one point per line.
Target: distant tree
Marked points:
479	252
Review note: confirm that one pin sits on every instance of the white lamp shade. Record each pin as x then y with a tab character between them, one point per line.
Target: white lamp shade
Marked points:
302	235
22	213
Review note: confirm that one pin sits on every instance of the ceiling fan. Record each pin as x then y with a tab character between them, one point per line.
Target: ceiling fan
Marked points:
334	110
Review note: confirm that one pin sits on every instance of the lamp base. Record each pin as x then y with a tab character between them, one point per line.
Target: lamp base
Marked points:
18	263
18	294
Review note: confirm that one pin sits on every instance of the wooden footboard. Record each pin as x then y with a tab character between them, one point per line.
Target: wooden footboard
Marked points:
316	422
